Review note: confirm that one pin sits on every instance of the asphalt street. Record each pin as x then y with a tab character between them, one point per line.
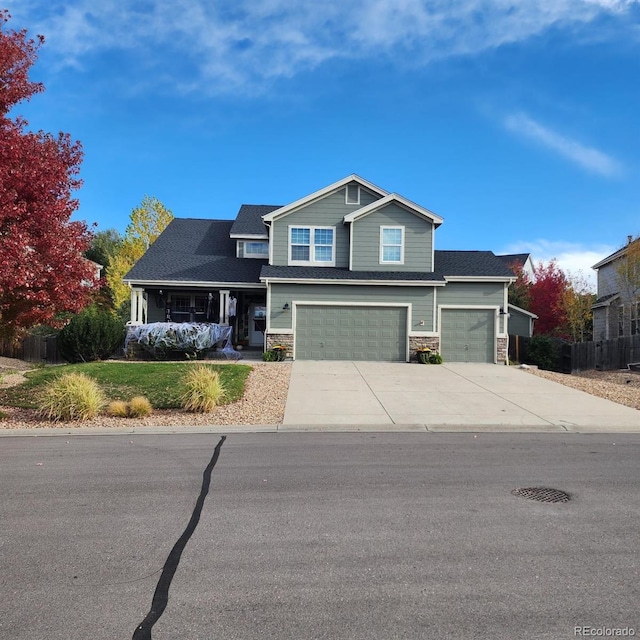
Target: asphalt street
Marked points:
319	535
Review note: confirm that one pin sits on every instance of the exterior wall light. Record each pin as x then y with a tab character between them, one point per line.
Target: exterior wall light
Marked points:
286	306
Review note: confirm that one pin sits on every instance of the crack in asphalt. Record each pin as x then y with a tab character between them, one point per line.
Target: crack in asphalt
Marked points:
161	595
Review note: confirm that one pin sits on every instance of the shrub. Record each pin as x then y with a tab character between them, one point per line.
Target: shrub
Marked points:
543	351
269	356
139	407
72	396
118	409
203	390
94	334
435	358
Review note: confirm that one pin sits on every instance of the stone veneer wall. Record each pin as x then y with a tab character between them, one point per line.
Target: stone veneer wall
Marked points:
281	338
420	342
503	350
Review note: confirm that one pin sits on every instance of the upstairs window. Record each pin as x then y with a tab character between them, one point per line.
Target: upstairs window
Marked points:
256	249
391	245
352	194
635	318
314	246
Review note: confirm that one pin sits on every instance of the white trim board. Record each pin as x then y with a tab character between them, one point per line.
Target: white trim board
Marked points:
396	198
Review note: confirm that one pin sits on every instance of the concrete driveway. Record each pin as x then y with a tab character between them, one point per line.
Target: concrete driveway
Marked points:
438	397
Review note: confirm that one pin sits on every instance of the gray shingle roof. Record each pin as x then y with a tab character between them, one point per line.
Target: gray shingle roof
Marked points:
510	258
607	298
331	273
249	219
470	263
191	250
194	250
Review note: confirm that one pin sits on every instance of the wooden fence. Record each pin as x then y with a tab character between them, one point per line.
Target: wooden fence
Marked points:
605	355
42	349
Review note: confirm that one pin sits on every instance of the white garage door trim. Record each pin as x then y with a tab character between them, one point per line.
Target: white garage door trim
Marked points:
327	303
474	307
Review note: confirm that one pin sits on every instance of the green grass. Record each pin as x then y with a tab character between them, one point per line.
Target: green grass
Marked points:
158	381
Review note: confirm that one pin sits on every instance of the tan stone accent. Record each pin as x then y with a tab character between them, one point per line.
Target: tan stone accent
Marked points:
420	342
285	339
503	350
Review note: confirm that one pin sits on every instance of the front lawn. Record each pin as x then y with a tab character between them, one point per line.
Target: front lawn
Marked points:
158	381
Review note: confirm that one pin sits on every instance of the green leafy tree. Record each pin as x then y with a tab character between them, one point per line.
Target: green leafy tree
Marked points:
104	246
148	221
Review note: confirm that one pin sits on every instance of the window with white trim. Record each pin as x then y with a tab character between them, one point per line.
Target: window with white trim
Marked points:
256	249
312	246
352	194
391	245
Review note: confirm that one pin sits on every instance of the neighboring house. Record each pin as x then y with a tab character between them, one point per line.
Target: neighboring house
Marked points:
616	309
349	272
524	259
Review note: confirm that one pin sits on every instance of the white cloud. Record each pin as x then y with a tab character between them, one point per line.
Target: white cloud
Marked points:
572	258
587	157
246	43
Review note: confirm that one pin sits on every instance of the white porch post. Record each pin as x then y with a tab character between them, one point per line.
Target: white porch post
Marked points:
224	308
137	305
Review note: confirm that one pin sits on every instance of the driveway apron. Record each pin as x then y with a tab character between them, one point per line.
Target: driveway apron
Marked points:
419	396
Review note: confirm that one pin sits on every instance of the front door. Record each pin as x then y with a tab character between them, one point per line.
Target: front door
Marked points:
257	324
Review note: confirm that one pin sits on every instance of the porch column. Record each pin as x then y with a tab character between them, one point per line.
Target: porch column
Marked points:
224	307
137	305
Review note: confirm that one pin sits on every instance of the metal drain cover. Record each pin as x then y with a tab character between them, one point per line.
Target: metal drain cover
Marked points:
542	494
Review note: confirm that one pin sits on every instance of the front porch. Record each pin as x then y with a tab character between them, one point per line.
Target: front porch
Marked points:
244	310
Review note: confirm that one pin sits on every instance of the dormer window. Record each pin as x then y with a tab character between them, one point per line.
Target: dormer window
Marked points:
352	193
312	246
252	249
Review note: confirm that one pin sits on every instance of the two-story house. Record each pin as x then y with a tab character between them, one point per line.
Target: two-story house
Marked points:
616	311
349	272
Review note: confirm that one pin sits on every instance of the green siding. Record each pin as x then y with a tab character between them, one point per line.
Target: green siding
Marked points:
418	237
421	299
480	294
519	324
328	212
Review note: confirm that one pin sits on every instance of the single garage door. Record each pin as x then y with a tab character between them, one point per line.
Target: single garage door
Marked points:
350	333
468	335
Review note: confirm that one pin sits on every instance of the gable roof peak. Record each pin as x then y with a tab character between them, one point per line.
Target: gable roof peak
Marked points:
316	195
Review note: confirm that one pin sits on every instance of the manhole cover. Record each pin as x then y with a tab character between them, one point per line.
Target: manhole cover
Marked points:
542	494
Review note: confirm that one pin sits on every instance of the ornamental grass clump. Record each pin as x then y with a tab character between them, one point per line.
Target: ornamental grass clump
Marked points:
118	409
71	396
203	390
139	407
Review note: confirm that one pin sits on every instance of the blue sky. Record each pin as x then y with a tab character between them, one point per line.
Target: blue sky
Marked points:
517	122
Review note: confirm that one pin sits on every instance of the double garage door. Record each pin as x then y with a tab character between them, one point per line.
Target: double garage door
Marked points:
325	332
468	335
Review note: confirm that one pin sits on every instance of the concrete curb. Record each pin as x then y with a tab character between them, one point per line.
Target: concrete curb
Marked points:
315	428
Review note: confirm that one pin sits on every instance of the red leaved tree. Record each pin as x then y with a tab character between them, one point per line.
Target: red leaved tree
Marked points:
42	270
546	295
